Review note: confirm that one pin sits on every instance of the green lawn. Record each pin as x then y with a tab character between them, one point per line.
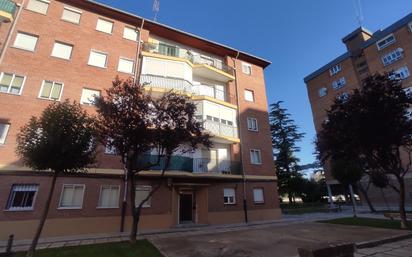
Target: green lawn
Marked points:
302	208
368	222
141	248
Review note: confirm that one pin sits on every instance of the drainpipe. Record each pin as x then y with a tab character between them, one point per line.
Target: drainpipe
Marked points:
240	136
11	30
136	77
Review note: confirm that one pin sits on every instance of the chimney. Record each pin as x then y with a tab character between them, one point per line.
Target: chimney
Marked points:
355	40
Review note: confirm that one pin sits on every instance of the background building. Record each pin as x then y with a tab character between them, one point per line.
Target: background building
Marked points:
54	50
367	53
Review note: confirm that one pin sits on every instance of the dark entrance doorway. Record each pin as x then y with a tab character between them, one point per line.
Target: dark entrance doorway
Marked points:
186	208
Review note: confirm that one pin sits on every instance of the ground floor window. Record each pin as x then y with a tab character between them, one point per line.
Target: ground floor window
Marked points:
258	195
229	196
72	197
22	197
141	193
109	196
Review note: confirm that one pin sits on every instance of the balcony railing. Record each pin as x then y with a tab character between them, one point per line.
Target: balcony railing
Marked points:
174	51
205	165
220	129
8	7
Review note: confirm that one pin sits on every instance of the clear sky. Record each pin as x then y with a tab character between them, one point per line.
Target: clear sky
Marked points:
298	36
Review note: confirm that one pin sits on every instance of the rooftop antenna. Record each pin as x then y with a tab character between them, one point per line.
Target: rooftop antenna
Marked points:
156	8
358	10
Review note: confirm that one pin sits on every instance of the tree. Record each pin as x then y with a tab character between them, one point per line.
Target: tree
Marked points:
285	135
374	128
59	141
134	123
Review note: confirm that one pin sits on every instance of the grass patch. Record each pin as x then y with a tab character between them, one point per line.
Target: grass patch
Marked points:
141	248
368	222
302	208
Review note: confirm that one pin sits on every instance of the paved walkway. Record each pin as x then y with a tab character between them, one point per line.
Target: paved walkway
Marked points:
396	249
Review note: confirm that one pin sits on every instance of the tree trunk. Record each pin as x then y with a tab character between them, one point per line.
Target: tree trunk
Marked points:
352	196
43	218
402	211
385	200
290	198
365	195
133	231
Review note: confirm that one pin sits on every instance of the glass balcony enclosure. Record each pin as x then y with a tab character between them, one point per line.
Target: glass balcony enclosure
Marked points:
7	10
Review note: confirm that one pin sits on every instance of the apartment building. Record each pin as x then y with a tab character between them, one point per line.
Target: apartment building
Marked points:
387	50
73	49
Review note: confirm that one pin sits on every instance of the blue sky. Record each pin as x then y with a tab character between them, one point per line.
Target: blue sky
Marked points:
298	36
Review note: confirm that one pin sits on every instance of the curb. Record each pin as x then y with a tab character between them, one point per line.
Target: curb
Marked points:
368	244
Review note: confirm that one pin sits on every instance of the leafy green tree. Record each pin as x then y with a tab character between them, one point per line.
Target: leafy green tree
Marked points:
374	128
60	141
134	123
285	136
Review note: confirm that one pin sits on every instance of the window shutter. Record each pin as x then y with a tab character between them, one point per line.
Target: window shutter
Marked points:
71	15
25	41
104	26
61	50
97	59
38	6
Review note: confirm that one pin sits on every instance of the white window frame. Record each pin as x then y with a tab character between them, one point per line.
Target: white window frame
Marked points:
410	26
323	91
245	94
335	69
259	154
148	203
3	136
89	102
49	98
24	48
71	9
392	57
9	89
131	28
386	44
61	197
248	67
104	20
9	200
43	1
109	150
338	84
98	52
126	59
227	197
252	121
263	195
397	73
99	206
65	44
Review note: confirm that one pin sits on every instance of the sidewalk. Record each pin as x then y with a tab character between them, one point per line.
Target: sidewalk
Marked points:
401	248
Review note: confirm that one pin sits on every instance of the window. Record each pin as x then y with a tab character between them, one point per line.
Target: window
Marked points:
249	96
392	57
126	65
252	124
71	15
11	83
130	33
109	197
408	90
409	113
51	90
141	193
22	197
109	149
72	197
25	41
386	41
344	96
246	68
339	83
229	196
39	6
335	69
4	129
258	195
62	50
401	73
88	96
97	59
410	29
323	91
104	26
255	156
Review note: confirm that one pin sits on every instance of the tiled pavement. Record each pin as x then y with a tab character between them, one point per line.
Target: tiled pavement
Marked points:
396	249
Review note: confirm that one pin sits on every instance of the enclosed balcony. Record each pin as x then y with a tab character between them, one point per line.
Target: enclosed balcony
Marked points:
7	10
219	129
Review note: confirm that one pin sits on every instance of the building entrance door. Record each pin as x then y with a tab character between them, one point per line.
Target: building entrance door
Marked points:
186	208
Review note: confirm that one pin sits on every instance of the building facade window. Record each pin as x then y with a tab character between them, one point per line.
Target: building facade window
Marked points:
229	196
410	29
323	91
4	129
109	149
126	65
88	96
255	156
11	83
258	195
343	97
62	50
339	83
335	69
22	197
246	68
104	26
386	41
25	41
252	124
98	59
51	90
72	196
71	14
130	33
249	95
401	73
39	6
392	57
109	196
141	193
